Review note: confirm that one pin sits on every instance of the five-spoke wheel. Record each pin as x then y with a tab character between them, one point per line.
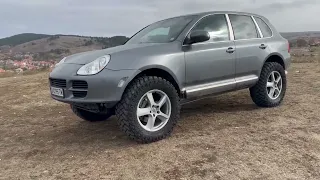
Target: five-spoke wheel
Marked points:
149	109
154	110
274	85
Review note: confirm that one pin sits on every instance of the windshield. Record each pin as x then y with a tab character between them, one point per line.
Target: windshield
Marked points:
162	32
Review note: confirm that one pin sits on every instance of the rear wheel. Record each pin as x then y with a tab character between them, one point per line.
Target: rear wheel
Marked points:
149	109
90	116
271	87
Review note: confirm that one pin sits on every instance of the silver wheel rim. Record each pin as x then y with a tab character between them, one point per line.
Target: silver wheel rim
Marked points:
274	85
154	110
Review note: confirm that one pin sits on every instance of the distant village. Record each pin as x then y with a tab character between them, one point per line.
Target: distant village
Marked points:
20	63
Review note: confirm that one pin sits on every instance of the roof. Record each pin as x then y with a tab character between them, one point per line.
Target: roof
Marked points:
227	12
221	12
201	14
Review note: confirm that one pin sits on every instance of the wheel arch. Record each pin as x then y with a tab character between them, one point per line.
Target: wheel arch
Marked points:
159	71
275	57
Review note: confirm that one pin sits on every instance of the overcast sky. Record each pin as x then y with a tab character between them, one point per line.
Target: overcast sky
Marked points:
125	17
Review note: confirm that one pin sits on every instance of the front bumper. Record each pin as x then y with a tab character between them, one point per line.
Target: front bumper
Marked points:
101	88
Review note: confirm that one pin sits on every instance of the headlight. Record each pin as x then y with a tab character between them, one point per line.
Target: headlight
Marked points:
60	62
95	66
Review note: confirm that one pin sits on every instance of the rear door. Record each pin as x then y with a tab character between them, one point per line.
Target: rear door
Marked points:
251	49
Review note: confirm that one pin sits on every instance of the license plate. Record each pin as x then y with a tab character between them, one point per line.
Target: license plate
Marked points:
57	91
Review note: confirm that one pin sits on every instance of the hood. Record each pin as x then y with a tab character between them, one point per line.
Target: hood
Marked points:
87	57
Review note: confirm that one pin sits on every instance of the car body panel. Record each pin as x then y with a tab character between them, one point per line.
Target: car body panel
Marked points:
279	47
166	56
249	57
207	63
276	45
86	57
102	87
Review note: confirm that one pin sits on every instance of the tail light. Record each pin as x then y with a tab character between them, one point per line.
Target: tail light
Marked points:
289	47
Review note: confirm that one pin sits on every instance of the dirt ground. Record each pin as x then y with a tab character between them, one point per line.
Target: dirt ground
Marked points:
224	137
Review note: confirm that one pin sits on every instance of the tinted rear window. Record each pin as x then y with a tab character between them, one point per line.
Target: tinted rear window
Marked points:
265	29
243	27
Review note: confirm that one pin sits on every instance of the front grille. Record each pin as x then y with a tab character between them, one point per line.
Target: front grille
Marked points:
60	83
79	94
79	88
79	85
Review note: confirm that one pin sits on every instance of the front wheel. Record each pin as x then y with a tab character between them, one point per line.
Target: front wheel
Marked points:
149	109
271	87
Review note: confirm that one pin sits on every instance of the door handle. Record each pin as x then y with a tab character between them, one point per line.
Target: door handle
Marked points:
230	50
263	46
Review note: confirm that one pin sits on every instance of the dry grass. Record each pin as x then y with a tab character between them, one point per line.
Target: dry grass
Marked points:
7	74
14	74
306	55
306	59
224	137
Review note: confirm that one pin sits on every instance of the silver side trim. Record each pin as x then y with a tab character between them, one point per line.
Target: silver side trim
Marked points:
257	26
209	86
230	27
268	24
219	86
246	78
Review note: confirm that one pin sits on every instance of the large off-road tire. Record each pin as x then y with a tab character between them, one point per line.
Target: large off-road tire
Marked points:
149	109
271	87
90	116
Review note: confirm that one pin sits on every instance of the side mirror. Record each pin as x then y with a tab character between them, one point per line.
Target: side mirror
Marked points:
198	36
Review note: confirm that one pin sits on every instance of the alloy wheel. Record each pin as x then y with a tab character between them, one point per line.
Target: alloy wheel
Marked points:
274	85
154	110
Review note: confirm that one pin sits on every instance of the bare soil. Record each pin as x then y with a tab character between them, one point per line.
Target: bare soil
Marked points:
224	137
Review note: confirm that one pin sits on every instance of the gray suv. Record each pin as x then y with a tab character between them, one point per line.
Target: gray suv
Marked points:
171	62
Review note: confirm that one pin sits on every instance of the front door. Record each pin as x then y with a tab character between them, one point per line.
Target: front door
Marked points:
210	65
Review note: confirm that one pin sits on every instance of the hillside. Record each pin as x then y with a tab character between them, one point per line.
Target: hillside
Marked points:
21	38
53	47
296	35
73	44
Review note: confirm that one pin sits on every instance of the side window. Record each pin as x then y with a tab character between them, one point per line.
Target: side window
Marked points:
216	25
243	27
265	29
